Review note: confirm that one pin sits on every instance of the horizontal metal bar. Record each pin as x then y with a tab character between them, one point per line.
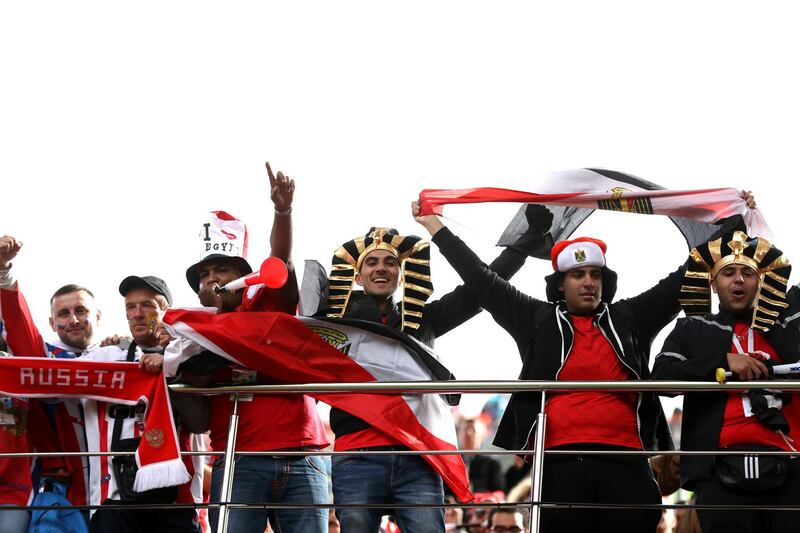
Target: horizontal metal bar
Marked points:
484	505
419	387
92	454
668	452
323	453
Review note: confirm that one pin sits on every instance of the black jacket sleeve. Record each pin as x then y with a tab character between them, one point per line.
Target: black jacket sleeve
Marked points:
677	361
512	309
460	304
657	306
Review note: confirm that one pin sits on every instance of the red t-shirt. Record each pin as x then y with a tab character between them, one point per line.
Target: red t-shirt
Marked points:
365	438
267	422
740	426
592	417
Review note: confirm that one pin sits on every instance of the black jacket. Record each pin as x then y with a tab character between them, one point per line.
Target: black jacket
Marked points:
439	317
692	352
543	333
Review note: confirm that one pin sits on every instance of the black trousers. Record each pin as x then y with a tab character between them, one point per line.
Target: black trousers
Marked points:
144	521
712	492
602	480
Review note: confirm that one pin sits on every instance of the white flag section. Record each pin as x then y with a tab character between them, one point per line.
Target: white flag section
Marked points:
391	360
613	191
291	350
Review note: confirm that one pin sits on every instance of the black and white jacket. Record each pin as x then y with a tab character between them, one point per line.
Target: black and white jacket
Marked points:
692	352
544	335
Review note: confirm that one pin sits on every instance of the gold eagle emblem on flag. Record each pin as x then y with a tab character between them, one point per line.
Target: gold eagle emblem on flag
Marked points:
627	205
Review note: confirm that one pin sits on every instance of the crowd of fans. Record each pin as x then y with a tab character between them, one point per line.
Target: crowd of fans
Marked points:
580	333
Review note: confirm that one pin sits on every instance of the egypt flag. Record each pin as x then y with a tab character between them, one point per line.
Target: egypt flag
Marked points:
572	195
287	349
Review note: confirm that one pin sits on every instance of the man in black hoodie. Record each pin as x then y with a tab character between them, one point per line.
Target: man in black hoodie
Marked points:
579	335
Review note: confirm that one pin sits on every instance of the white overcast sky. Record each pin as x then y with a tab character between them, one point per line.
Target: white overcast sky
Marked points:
122	123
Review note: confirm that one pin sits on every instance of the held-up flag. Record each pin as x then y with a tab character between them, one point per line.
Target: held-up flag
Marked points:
306	350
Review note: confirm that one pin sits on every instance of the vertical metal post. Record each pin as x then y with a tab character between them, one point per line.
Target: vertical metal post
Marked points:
537	468
227	473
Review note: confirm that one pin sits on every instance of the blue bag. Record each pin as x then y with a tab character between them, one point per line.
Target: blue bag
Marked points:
62	517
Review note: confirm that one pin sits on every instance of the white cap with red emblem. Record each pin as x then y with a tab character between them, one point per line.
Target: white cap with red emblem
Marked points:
577	253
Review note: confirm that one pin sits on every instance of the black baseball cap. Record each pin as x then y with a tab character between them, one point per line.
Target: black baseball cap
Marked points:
146	282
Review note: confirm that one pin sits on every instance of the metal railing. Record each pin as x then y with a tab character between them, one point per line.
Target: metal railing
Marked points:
427	387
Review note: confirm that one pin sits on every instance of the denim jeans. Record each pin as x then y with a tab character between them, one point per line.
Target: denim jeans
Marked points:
274	479
387	479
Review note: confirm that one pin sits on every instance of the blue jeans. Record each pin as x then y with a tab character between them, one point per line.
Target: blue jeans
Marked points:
274	479
387	479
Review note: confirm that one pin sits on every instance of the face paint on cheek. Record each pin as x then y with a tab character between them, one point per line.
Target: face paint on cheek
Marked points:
153	322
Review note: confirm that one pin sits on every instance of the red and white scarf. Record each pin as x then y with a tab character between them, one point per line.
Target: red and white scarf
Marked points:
158	456
587	189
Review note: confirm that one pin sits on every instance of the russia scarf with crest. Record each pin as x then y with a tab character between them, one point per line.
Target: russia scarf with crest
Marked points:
158	455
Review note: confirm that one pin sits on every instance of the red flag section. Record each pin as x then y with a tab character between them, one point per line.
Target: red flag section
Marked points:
282	348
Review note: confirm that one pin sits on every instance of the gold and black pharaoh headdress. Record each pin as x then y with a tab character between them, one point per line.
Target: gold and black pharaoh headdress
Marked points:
414	256
759	254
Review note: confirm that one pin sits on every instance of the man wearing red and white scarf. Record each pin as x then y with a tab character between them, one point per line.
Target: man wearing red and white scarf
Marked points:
62	426
50	427
146	301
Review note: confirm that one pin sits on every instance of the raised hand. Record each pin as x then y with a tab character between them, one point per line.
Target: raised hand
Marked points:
429	222
281	191
749	199
9	248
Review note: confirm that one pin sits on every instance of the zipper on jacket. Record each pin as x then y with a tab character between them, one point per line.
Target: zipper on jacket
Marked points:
621	360
564	357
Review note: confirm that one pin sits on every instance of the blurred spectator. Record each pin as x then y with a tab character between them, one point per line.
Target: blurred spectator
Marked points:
484	471
453	516
476	519
506	520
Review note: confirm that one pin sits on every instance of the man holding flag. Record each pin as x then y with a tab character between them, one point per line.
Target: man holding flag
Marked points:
579	335
287	351
376	262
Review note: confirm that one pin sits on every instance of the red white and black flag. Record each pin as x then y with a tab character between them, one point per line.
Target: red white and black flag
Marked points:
288	349
571	196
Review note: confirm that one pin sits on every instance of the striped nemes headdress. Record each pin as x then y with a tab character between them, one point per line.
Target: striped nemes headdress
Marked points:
772	267
414	257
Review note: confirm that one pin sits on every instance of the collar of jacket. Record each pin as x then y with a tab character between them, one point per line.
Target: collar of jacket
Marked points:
602	319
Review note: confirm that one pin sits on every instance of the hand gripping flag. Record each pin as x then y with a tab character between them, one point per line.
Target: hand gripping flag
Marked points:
291	350
158	456
572	195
